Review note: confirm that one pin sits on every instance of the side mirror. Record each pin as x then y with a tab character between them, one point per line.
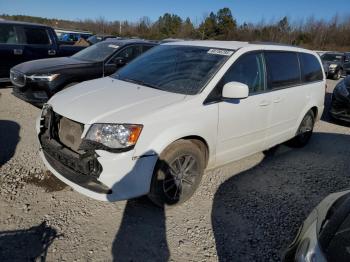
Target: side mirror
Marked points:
235	90
119	61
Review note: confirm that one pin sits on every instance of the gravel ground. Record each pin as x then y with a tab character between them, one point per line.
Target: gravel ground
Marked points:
249	210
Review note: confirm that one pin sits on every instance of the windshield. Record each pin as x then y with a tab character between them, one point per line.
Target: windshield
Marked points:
175	68
332	57
98	52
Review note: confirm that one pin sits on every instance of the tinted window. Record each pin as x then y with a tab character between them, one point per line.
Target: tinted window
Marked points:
7	34
332	57
283	69
131	52
97	52
175	68
249	70
146	47
311	68
36	36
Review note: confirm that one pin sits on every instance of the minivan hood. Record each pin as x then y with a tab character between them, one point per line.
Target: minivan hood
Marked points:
107	100
49	65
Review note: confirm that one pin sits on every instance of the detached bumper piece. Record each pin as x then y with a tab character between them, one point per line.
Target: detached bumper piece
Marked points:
81	168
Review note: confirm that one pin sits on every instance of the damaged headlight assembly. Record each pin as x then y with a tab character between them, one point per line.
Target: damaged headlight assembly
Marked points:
112	137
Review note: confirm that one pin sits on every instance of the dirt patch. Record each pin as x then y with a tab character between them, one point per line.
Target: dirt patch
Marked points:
47	181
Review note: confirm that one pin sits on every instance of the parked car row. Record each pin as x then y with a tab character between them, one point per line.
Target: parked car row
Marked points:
36	81
21	42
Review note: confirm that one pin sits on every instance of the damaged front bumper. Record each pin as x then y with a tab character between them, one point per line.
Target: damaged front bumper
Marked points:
98	174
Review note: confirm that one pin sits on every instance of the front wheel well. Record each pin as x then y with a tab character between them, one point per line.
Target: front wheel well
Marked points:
315	111
201	144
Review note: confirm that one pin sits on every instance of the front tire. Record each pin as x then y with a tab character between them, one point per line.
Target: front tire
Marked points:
177	174
305	130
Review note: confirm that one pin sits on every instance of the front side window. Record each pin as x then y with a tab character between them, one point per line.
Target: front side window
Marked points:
249	70
36	36
283	69
8	34
311	68
175	68
332	57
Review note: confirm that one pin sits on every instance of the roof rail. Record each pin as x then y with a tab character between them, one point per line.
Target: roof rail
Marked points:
270	43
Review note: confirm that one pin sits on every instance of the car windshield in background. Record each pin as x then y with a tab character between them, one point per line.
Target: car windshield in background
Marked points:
332	57
175	68
97	53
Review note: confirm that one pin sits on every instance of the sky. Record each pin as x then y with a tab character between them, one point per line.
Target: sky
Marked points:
252	11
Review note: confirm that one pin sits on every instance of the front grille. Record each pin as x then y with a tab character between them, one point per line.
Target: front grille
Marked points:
17	78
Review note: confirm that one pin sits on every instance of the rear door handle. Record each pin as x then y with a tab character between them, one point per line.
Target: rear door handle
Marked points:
264	103
18	51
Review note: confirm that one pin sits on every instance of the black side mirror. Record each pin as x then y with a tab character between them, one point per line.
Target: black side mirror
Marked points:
119	61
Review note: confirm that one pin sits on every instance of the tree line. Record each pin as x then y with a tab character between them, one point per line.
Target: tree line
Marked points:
320	34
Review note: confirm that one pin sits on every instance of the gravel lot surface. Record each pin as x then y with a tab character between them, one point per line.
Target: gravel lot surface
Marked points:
249	210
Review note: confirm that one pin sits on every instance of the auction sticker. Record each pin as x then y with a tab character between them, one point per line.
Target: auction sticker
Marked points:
220	52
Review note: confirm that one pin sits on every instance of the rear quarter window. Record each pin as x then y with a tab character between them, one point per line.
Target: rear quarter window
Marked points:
282	68
310	68
36	36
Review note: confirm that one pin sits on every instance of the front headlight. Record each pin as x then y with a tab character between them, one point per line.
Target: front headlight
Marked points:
332	66
43	77
114	136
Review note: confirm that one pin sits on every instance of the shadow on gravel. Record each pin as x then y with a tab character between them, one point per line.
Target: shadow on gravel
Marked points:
256	213
9	138
142	231
26	245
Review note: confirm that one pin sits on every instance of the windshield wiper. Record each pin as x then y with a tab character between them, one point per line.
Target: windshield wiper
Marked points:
139	82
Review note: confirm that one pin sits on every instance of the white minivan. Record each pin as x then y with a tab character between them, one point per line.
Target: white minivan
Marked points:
157	124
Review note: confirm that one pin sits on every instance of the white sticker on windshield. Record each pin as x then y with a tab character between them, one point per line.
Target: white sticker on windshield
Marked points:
114	46
220	52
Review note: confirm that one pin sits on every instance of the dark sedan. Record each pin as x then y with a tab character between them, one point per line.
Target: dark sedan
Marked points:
340	105
36	81
325	234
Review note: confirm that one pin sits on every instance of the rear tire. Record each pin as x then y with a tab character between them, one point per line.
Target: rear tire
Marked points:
305	130
177	174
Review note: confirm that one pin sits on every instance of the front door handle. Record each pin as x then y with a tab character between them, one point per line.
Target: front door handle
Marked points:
277	100
18	51
51	52
265	103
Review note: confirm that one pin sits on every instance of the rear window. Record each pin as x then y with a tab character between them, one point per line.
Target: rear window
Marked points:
8	34
283	69
311	68
36	36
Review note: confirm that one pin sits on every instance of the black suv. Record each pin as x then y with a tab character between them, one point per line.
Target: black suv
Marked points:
338	64
21	42
36	81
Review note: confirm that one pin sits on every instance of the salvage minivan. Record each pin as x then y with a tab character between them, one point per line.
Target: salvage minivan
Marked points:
181	108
